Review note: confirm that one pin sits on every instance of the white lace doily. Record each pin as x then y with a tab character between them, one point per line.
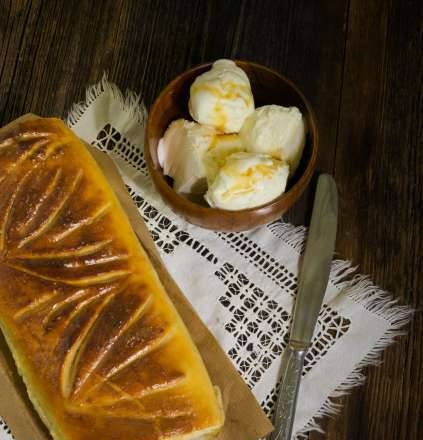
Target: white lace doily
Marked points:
243	284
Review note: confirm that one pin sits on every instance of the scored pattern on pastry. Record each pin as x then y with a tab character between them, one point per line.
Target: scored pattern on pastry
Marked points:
85	279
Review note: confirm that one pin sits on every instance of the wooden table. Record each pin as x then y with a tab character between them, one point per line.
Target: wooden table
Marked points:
358	61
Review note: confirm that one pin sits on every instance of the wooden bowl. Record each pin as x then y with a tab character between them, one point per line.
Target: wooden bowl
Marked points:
269	87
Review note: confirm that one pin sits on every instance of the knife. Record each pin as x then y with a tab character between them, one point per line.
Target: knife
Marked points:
312	284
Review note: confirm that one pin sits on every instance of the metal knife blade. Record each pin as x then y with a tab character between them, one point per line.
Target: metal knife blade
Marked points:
318	255
312	284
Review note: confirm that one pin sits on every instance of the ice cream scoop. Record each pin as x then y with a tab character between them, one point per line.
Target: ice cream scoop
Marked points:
181	152
276	130
192	154
221	97
247	180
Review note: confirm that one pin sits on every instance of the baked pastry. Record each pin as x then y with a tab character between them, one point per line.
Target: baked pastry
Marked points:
101	348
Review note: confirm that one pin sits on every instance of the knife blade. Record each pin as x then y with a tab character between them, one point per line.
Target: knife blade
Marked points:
312	285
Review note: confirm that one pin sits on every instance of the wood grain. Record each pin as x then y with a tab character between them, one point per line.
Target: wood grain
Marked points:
378	168
360	65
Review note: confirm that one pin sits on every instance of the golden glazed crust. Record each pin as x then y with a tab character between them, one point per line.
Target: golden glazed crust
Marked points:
100	346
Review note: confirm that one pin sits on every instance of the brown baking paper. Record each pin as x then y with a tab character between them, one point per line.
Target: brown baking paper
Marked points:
245	420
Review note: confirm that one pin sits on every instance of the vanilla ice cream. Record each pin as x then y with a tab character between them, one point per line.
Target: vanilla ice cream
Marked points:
222	97
192	154
275	130
181	155
247	180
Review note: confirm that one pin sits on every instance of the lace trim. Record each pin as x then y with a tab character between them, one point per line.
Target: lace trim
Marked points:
254	254
331	326
4	428
258	324
111	140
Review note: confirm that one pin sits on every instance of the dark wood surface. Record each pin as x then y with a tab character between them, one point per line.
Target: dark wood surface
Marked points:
359	63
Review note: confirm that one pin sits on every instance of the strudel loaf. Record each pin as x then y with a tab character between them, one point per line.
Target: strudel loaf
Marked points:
101	348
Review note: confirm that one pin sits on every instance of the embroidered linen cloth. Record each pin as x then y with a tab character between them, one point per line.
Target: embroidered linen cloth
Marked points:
243	284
